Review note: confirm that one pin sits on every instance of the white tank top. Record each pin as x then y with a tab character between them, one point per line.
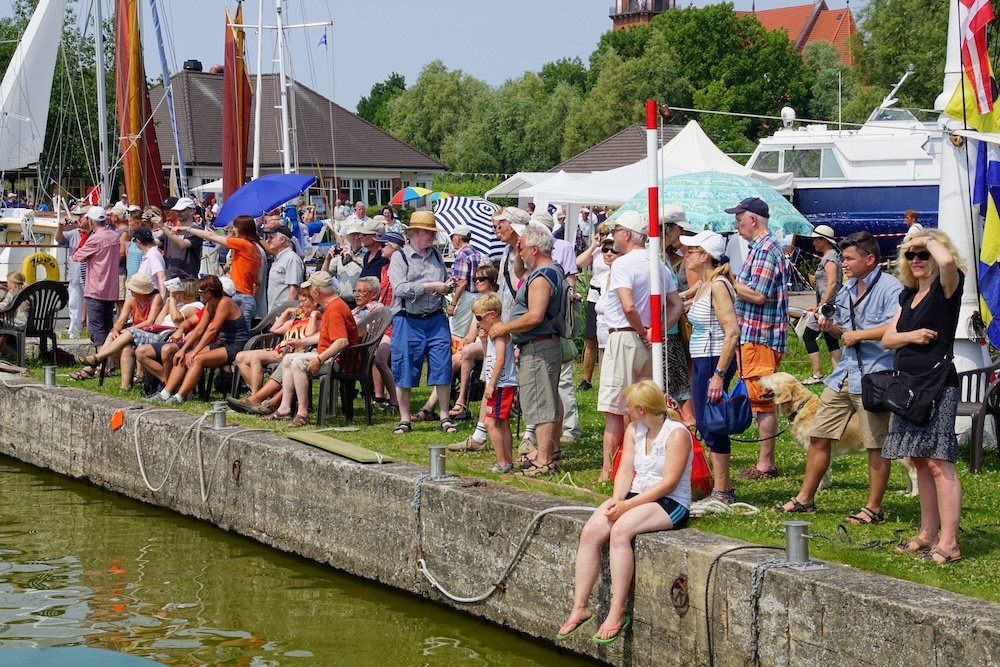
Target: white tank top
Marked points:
649	467
706	332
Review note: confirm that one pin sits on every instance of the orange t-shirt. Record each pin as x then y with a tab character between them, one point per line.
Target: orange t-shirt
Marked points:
338	322
246	265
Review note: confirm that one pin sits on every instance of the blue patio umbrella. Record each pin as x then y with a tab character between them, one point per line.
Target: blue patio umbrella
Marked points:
705	196
262	195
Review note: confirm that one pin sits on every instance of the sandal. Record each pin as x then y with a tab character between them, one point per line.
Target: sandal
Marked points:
532	469
813	379
89	360
946	558
402	429
299	421
424	415
277	417
904	547
460	412
865	517
448	426
85	373
797	507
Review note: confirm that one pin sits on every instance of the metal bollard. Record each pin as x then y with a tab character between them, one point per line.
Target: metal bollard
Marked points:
796	543
219	414
437	460
50	376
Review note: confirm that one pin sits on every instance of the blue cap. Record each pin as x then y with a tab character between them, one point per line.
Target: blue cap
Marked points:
391	236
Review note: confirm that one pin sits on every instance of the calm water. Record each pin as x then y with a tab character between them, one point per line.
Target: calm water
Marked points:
83	567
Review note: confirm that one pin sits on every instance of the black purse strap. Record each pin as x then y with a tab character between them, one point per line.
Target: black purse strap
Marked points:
853	305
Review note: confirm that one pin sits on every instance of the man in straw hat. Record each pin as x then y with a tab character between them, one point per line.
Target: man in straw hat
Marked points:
419	325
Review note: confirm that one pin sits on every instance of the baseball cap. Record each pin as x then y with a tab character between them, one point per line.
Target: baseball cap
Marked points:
462	230
755	205
632	221
97	213
672	214
228	286
391	236
183	203
513	215
133	207
281	229
711	242
544	218
168	203
143	235
118	210
320	279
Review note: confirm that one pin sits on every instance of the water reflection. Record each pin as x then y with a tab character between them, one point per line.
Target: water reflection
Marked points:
79	566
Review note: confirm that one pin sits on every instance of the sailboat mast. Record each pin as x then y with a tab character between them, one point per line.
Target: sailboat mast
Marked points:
286	154
257	92
168	90
102	104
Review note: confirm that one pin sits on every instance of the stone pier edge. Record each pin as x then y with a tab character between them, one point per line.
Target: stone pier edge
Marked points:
360	519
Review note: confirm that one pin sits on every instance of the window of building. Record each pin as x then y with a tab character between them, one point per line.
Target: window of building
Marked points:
385	192
355	189
804	163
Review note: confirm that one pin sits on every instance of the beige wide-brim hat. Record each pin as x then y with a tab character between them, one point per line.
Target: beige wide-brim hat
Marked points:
140	283
825	232
422	220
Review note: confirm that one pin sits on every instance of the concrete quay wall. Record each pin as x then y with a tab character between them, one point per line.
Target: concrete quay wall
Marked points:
361	519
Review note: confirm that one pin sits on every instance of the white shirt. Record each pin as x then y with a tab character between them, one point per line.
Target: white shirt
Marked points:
151	264
562	252
649	467
598	268
631	270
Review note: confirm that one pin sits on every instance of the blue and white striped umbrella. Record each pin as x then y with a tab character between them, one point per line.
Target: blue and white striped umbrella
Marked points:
475	213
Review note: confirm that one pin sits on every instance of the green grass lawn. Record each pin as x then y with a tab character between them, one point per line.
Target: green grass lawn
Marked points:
976	575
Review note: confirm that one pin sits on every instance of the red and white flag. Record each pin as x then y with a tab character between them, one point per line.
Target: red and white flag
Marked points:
975	16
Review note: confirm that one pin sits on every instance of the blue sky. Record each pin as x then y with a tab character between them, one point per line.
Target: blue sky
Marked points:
492	40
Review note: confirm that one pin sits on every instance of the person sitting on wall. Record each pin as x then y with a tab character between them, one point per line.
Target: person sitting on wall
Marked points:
652	493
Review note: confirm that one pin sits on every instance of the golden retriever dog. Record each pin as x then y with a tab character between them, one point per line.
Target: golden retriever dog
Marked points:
798	405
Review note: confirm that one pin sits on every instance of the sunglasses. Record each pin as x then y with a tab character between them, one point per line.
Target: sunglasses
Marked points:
480	279
479	318
611	250
922	255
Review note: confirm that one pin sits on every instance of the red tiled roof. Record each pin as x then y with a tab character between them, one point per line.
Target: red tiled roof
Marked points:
810	23
836	26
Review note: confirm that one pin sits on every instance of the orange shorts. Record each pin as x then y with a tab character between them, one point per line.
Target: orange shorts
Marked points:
756	361
457	343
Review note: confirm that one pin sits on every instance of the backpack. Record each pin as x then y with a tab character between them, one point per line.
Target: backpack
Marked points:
568	322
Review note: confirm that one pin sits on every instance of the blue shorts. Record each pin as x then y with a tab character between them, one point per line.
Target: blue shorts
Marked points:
678	513
414	339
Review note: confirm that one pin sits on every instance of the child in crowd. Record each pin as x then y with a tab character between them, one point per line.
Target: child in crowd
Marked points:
501	383
15	284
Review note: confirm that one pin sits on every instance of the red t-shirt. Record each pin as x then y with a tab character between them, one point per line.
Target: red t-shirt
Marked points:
338	322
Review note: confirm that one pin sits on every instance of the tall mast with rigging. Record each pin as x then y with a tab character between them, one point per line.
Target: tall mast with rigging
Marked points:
102	106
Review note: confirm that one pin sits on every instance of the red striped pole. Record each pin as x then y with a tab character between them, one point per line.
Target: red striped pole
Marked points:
655	297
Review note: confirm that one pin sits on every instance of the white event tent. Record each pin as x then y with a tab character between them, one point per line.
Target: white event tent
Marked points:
689	151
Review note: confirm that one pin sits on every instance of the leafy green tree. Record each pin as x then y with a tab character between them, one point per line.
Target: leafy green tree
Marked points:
441	103
571	71
833	81
375	106
896	34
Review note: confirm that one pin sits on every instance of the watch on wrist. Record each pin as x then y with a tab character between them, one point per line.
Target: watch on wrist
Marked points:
719	372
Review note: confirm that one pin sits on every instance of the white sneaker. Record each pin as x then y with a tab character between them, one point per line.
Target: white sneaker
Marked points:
174	400
527	445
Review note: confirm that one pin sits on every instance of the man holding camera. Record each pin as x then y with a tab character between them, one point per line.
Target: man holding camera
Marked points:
858	316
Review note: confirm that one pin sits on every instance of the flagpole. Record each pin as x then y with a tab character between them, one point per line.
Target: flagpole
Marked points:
286	158
655	295
102	105
257	93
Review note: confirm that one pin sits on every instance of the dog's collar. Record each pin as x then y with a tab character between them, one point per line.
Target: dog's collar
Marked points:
795	412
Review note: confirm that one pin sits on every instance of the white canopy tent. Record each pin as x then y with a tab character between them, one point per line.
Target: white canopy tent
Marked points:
214	186
690	151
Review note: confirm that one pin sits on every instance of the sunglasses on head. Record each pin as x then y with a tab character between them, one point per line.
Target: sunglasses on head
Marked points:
922	255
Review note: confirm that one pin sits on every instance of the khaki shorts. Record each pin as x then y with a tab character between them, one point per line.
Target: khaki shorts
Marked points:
626	361
538	367
756	361
121	287
836	409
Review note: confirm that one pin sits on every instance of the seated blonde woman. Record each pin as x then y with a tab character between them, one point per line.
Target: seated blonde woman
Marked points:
298	326
652	492
141	307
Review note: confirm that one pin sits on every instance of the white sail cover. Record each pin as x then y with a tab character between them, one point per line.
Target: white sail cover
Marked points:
27	87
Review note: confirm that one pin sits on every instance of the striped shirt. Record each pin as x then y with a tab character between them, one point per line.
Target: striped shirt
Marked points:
706	332
765	272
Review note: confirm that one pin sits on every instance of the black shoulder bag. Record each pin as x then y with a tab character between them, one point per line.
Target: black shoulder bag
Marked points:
910	396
